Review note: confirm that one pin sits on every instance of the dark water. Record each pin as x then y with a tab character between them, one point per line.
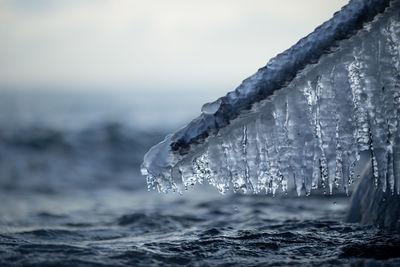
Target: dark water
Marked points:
71	195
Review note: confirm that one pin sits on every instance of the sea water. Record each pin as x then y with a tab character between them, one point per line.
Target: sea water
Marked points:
71	194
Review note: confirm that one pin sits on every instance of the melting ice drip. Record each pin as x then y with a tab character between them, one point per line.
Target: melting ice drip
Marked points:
309	129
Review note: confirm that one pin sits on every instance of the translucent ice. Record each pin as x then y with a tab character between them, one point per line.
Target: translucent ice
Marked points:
211	108
304	117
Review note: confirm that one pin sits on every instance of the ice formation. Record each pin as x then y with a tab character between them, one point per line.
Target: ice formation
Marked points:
304	117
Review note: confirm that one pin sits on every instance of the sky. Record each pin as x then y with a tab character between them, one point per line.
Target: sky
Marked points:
134	45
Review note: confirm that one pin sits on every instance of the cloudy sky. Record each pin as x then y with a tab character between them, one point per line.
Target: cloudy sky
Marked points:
147	45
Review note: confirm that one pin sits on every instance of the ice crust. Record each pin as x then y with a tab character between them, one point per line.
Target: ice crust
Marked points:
304	117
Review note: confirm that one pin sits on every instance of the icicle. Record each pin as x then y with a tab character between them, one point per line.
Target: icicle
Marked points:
309	129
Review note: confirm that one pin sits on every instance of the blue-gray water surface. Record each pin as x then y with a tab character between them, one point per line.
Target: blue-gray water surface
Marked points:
71	195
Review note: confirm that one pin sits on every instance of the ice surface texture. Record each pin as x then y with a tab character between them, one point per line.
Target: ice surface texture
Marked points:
304	117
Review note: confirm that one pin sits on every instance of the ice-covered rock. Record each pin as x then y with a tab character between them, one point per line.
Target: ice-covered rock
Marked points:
304	117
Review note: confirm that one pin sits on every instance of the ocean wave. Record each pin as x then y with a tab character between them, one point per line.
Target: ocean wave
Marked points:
46	159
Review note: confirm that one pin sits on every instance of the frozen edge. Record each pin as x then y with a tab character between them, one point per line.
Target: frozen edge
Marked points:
278	72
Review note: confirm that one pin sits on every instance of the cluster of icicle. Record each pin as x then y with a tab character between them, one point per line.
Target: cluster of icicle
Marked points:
311	131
